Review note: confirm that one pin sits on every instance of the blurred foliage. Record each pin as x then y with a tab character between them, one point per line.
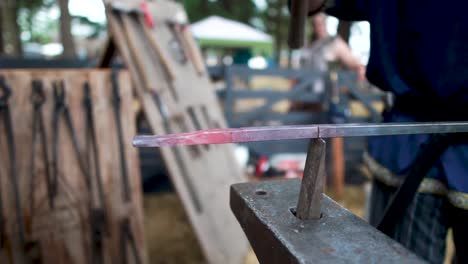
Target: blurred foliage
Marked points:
34	4
36	26
239	10
34	22
275	18
96	27
32	28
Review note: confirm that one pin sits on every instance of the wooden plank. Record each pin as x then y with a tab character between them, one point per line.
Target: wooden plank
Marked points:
137	48
200	173
193	50
338	166
161	53
63	233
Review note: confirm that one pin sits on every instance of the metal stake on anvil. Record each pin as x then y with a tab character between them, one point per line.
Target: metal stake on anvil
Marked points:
312	184
308	205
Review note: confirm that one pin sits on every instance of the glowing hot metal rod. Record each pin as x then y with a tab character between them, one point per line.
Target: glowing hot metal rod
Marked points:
250	134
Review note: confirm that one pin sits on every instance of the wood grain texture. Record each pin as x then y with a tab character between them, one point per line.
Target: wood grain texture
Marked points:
161	53
338	166
63	233
195	54
201	175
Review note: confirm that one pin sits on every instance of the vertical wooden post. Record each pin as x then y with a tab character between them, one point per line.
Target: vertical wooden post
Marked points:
299	9
338	166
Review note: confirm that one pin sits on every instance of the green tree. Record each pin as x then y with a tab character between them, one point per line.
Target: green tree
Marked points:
240	10
66	36
17	17
38	31
2	48
275	18
10	29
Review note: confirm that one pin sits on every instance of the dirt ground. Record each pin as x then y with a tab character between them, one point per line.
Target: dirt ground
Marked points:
169	236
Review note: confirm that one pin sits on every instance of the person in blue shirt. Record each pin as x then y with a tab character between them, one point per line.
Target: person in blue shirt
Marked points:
419	52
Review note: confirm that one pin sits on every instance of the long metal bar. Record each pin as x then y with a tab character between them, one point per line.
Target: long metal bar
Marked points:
249	134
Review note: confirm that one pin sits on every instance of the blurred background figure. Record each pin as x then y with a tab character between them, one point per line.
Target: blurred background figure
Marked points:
324	49
317	57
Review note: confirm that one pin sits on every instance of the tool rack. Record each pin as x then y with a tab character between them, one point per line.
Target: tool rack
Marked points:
176	95
60	217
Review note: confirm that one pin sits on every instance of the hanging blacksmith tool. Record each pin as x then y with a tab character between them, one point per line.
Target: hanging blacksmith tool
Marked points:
165	61
195	55
182	32
38	99
127	235
98	215
92	151
116	102
178	42
61	111
132	32
2	217
144	18
2	220
148	29
139	34
178	155
5	94
98	226
29	247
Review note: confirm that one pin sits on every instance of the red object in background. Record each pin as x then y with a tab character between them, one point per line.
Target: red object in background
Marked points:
292	168
262	166
288	165
148	18
292	174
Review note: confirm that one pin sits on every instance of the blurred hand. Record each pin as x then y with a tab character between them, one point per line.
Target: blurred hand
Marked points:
361	73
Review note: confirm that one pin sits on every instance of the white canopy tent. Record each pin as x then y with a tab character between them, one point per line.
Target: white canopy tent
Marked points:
217	31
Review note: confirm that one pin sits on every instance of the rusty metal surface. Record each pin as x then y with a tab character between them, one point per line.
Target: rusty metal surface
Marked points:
264	210
309	204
